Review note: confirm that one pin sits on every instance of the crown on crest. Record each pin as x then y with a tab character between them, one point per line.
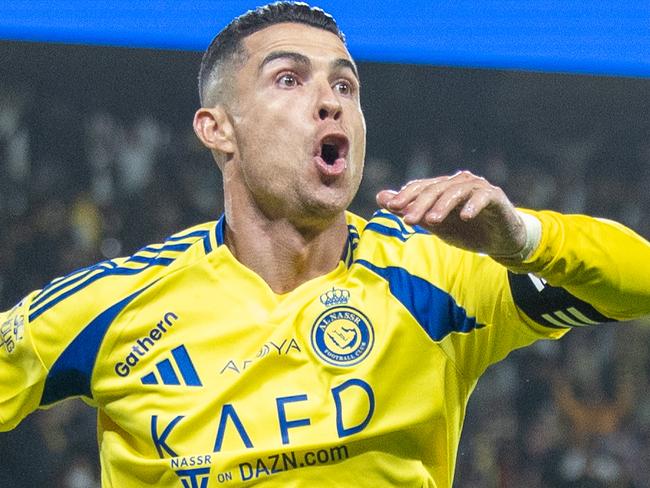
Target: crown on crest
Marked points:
335	296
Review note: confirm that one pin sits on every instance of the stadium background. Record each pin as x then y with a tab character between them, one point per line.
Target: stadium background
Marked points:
97	158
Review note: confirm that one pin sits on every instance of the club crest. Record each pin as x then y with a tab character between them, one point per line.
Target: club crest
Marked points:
342	336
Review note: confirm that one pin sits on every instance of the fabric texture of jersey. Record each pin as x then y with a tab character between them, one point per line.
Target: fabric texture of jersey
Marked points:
204	377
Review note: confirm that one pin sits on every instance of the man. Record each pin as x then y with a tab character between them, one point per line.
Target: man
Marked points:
292	343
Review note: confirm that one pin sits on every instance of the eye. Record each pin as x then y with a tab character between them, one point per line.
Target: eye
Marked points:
288	80
344	87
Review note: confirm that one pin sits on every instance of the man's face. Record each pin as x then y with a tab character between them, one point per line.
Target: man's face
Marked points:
298	122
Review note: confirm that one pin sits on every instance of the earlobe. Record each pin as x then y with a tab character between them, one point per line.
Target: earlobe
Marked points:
214	129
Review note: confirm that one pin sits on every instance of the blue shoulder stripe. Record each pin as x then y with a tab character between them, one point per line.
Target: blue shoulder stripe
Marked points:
70	374
387	231
74	277
35	312
412	229
80	279
401	232
434	309
136	258
203	234
166	247
76	273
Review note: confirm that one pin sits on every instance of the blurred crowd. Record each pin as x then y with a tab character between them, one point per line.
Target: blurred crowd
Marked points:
79	187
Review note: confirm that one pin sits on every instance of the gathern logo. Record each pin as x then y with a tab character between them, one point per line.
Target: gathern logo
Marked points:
342	336
143	345
335	296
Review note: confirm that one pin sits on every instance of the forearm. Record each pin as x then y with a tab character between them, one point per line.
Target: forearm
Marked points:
598	261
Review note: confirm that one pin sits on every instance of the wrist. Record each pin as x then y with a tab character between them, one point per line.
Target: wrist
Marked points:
533	231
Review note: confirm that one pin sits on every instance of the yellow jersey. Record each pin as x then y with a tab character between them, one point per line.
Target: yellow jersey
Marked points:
203	377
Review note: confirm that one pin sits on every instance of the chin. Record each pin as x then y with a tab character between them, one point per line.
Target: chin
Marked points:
327	206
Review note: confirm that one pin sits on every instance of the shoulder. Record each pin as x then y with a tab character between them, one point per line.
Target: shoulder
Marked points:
68	320
103	284
416	262
386	240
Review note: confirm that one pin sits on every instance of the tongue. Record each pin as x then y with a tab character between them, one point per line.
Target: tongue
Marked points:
334	168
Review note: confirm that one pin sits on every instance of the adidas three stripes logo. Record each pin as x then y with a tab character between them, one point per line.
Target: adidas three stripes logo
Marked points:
175	371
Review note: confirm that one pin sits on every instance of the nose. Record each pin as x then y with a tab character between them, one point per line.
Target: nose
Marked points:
328	105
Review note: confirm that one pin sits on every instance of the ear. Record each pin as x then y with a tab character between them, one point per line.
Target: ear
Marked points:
214	129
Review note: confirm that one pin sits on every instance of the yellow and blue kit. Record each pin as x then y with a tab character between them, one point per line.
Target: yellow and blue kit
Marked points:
204	377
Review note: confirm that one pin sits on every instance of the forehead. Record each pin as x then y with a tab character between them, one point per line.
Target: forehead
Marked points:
310	41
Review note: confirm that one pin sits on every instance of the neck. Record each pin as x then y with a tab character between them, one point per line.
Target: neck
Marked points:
281	253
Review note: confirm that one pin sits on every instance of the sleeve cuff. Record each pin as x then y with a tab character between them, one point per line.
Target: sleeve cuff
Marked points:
533	238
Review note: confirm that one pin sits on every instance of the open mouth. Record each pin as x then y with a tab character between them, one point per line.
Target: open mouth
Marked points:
330	153
333	148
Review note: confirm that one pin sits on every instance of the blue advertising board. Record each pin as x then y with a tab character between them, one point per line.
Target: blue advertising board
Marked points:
575	36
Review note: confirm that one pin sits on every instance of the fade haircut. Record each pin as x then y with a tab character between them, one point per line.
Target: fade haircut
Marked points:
227	52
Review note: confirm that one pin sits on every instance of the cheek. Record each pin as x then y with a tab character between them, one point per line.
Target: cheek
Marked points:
271	130
359	131
263	153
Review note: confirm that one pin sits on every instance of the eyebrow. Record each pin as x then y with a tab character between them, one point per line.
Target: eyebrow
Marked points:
304	61
346	63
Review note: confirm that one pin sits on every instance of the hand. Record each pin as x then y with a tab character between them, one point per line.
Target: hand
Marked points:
463	210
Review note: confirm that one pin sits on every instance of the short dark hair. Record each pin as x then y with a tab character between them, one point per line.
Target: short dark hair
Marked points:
227	45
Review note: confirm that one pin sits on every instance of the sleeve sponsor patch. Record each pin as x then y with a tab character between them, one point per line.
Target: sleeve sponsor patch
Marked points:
12	329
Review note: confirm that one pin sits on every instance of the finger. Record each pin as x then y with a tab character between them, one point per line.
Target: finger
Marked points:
409	192
405	196
436	194
385	196
403	202
423	202
453	197
476	204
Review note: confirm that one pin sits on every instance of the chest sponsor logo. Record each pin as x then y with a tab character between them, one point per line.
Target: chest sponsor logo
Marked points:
270	348
256	468
342	336
349	409
11	331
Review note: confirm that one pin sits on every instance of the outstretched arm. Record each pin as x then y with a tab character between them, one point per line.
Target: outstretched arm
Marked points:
598	261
